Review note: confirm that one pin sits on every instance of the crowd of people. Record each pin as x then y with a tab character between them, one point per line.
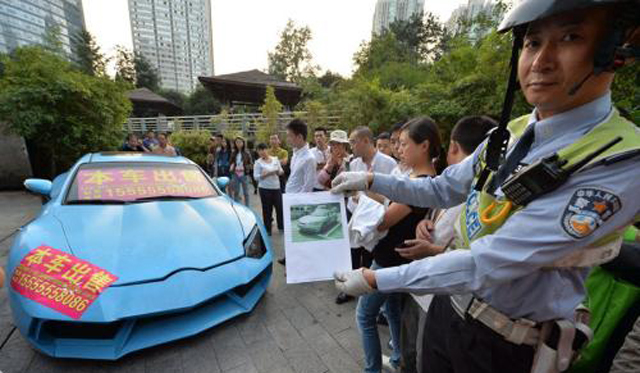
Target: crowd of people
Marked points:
482	255
152	143
412	149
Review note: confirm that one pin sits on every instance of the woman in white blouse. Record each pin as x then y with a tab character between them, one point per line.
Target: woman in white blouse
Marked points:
266	171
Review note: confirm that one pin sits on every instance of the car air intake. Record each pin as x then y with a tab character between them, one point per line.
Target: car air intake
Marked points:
81	330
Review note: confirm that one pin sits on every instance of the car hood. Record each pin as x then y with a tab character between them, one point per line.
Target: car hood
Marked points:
150	241
312	219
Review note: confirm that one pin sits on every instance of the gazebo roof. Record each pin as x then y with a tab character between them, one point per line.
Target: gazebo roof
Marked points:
250	87
144	99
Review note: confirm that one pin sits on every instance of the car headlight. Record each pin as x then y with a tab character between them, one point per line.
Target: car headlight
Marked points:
254	246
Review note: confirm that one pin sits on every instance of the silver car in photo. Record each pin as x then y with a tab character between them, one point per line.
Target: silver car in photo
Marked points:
320	220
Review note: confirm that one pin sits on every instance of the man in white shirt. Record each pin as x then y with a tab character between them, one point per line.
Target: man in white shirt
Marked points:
321	153
367	159
303	164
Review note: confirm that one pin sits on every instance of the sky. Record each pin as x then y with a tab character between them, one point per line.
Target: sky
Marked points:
245	30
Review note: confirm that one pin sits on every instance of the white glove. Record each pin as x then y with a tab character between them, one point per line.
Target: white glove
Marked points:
350	182
352	282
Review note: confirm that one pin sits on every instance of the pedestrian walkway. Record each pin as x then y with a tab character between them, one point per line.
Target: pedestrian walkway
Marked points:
294	328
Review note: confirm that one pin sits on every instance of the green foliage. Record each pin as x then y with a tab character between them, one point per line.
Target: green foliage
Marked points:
393	83
125	66
316	116
330	79
145	74
291	59
367	103
221	122
176	97
378	52
90	59
626	91
65	112
420	35
52	41
270	109
201	102
193	144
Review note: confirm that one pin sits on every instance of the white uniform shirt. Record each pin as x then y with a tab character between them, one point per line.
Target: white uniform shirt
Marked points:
303	171
321	157
271	181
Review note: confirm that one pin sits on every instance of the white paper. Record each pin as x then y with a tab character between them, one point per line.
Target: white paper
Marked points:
316	242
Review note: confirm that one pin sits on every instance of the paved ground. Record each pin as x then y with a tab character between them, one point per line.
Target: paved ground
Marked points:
294	328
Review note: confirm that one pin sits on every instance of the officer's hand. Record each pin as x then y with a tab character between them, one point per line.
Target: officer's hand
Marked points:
353	282
424	229
350	182
1	277
419	249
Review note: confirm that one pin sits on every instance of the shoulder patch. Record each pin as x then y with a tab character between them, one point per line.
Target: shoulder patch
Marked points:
587	210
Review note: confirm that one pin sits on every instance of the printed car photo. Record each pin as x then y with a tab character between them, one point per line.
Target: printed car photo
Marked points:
130	251
320	220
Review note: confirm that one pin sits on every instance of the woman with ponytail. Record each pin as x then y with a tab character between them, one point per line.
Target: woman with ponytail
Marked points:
420	146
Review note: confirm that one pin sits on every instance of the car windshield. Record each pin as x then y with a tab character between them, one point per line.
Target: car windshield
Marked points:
119	183
320	211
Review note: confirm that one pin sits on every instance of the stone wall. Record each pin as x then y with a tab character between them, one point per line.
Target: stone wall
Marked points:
14	160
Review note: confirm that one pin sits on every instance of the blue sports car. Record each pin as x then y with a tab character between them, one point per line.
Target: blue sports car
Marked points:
130	251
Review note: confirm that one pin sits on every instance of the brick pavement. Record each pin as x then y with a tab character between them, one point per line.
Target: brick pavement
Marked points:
294	328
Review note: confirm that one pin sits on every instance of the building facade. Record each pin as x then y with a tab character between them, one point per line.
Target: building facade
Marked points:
26	22
176	37
467	13
389	11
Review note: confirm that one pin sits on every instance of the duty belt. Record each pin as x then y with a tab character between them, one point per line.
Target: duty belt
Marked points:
520	331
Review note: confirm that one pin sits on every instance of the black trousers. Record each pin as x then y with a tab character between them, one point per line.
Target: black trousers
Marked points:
409	324
360	257
454	345
271	198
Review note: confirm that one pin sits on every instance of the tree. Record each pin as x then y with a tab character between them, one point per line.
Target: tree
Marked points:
202	102
291	59
270	110
420	35
176	97
90	59
62	112
316	115
52	40
329	79
381	50
125	66
145	74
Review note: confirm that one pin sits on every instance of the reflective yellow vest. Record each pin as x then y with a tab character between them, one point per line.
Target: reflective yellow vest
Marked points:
484	214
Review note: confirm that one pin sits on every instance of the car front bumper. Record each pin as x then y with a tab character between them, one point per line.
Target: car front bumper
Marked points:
310	227
129	318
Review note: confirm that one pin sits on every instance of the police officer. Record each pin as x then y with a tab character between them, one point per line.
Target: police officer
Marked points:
554	206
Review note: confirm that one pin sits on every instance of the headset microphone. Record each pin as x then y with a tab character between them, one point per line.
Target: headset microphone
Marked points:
579	85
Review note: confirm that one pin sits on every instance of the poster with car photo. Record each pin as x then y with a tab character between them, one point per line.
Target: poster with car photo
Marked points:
316	240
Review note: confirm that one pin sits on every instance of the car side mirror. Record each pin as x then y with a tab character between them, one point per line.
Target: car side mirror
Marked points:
38	186
222	182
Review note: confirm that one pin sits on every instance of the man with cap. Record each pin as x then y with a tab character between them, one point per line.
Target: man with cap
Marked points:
338	159
546	198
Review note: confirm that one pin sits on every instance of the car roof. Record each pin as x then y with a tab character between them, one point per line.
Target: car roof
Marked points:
132	157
